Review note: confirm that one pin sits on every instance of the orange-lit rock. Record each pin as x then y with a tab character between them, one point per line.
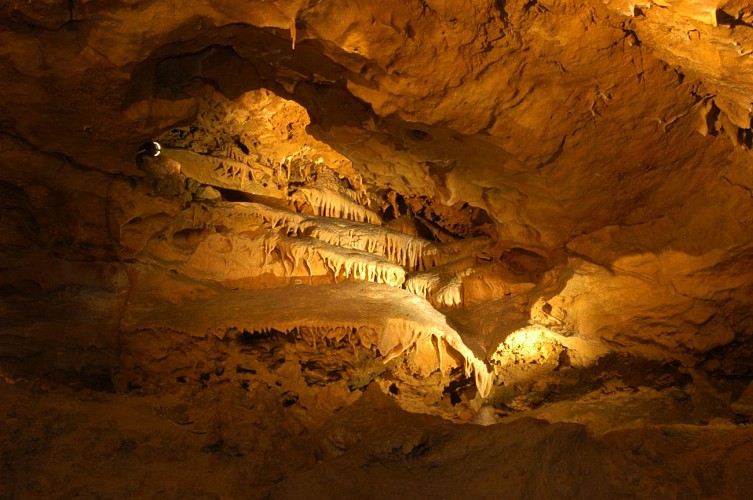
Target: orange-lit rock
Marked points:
484	210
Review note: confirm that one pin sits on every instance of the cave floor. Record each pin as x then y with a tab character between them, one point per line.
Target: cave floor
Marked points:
226	441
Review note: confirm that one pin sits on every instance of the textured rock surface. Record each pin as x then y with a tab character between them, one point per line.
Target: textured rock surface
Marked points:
565	187
238	444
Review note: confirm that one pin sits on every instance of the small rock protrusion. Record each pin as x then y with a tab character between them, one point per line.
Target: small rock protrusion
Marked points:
563	361
744	404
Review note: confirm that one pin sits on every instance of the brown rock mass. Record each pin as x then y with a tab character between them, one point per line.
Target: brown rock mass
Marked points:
396	249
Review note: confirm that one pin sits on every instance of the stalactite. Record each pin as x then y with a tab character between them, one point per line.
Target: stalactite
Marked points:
393	339
410	252
442	290
335	205
341	262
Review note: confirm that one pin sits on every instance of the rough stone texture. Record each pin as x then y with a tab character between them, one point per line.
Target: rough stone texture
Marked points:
565	185
238	444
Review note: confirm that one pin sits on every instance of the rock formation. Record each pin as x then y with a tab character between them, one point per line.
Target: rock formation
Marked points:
335	249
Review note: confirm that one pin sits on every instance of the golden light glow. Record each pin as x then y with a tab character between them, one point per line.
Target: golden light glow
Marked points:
530	342
533	344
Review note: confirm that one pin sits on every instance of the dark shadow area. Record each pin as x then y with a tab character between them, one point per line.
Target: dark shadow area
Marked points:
726	19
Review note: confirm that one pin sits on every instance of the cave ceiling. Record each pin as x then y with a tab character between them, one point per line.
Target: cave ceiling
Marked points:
495	188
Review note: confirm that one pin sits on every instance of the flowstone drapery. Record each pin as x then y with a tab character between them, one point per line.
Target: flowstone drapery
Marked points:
306	259
402	321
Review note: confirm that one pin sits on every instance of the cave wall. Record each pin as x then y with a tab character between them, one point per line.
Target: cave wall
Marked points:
575	129
598	150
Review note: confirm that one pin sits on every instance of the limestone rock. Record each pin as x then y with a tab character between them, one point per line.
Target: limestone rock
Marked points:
744	405
524	207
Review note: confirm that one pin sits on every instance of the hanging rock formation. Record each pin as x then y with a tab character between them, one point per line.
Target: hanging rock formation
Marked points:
480	211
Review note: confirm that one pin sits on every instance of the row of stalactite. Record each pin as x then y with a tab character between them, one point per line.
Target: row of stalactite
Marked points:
348	240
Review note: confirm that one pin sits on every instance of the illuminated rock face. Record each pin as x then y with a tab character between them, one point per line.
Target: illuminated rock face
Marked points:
487	210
